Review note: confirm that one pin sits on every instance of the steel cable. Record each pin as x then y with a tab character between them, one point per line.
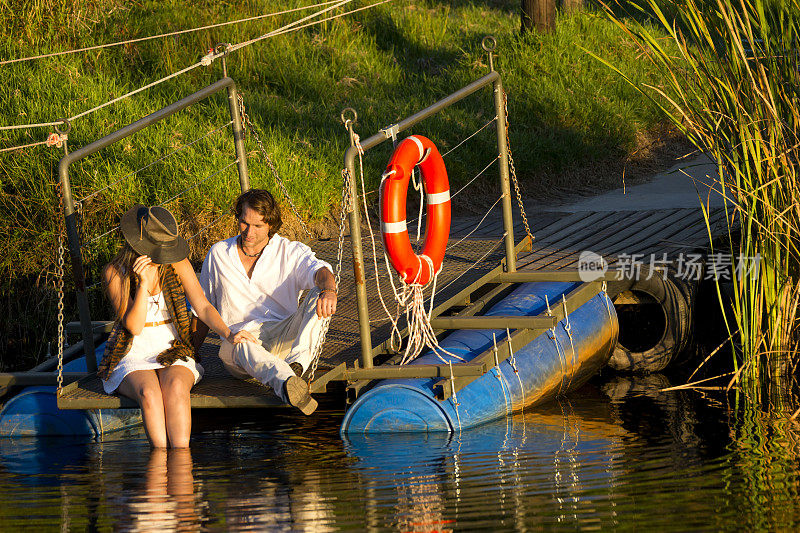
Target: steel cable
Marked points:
470	137
478	225
210	224
161	35
200	182
197	184
20	147
209	58
476	177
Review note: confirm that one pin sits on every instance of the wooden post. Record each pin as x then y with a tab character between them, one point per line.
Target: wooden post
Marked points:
539	15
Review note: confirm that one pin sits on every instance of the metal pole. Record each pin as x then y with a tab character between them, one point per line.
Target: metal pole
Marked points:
358	256
74	244
505	185
489	44
142	123
238	137
355	217
385	134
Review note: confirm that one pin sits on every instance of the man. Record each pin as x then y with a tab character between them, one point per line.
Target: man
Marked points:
254	280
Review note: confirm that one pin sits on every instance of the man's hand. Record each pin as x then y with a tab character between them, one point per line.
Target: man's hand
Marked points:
241	336
326	303
326	283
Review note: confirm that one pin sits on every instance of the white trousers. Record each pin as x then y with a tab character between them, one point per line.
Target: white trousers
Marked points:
290	340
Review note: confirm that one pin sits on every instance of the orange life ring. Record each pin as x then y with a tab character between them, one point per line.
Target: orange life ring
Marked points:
413	151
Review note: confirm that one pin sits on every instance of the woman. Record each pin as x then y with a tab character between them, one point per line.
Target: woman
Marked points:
149	356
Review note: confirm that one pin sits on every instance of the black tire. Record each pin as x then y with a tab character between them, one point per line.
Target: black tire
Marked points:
675	298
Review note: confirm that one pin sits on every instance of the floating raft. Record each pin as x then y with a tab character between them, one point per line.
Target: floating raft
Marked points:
559	240
552	363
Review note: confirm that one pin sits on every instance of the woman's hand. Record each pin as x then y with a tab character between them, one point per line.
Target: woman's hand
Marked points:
241	336
147	273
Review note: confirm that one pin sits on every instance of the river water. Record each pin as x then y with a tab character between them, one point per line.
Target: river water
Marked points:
617	454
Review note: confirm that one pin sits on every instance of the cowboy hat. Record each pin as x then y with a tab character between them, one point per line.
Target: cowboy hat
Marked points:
153	231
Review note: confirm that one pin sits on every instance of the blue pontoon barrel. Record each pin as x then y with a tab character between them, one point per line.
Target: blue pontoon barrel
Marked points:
34	412
553	363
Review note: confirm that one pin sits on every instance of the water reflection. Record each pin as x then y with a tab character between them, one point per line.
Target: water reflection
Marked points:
263	501
41	461
166	499
147	490
622	454
534	467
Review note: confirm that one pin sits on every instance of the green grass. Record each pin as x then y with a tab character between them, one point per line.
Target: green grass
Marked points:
566	111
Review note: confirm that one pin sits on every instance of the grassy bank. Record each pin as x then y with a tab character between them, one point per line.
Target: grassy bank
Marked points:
574	124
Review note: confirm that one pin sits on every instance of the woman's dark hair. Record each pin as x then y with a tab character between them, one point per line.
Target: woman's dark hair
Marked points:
262	202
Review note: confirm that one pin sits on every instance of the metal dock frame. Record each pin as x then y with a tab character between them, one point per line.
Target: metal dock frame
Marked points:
527	327
70	215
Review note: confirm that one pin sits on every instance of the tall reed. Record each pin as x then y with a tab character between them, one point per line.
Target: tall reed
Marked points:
733	89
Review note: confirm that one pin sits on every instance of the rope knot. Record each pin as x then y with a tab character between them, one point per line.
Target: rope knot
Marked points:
207	59
357	141
56	139
567	326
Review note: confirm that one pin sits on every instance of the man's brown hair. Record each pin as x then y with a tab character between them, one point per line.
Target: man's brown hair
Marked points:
262	202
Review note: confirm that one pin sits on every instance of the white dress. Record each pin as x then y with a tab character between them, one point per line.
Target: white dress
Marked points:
148	344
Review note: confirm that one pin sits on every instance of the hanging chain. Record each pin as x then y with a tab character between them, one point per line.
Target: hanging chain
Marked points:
249	126
346	184
60	289
514	174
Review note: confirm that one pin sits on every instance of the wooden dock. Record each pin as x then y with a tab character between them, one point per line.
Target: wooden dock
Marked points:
474	251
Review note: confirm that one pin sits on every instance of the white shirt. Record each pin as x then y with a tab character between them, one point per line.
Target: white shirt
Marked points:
283	270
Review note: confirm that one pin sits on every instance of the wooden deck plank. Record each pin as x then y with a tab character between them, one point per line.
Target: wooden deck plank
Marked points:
566	232
634	236
569	238
687	232
588	237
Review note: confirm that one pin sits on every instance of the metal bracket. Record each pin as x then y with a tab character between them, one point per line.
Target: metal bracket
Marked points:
321	385
345	119
223	48
527	276
527	244
492	322
489	44
391	131
67	127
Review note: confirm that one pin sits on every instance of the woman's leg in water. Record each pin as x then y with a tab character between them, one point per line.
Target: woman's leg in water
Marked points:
176	382
143	386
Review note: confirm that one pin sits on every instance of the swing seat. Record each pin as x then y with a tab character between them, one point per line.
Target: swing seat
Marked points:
218	389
